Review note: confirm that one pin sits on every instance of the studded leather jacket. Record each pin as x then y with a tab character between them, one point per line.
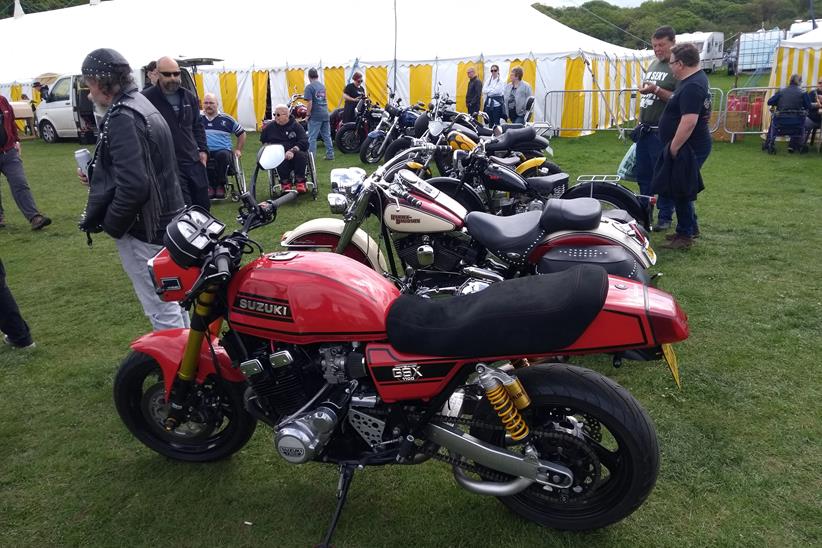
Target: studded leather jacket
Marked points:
133	185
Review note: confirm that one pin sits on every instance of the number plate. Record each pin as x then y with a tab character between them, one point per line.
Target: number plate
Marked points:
670	359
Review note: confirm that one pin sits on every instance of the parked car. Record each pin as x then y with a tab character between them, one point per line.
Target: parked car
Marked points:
67	112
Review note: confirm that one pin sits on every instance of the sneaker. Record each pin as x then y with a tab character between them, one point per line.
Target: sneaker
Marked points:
11	344
301	187
211	193
679	242
661	226
219	193
39	221
330	158
286	186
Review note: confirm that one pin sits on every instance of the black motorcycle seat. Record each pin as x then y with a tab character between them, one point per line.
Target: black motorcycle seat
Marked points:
513	234
508	161
533	315
545	185
467	131
511	139
574	214
483	131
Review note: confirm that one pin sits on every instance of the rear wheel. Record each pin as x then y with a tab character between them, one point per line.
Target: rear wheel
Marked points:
593	426
397	146
217	426
48	133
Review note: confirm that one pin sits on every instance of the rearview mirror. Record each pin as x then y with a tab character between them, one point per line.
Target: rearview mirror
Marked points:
270	156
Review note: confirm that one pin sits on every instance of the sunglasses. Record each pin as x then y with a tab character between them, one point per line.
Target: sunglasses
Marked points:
170	74
494	70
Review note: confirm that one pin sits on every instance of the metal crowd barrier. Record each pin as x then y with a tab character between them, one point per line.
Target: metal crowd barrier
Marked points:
616	109
746	111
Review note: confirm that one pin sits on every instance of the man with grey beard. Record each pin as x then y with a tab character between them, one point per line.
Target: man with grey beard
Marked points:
181	111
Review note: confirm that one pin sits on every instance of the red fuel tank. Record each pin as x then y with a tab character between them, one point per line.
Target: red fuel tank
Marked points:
309	297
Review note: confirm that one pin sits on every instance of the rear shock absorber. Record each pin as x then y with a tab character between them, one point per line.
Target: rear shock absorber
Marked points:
508	397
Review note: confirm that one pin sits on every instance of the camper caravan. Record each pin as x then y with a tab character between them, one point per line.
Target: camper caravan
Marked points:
710	46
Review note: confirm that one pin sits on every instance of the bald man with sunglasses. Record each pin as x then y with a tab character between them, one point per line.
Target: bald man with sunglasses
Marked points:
181	111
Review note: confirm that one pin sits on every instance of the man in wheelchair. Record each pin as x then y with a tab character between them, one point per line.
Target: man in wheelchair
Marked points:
790	105
218	128
286	131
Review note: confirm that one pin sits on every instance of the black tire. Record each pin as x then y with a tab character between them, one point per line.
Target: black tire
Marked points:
547	168
348	140
397	146
370	149
48	133
608	422
611	197
140	400
444	162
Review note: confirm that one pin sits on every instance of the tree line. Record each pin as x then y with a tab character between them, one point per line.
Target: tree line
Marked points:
33	6
632	27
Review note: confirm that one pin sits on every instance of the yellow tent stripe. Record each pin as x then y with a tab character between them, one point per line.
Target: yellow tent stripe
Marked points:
15	93
376	83
259	91
462	81
573	109
595	85
609	96
421	78
334	80
295	81
228	92
198	83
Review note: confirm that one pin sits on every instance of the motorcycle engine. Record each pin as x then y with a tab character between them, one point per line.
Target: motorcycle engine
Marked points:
449	250
304	437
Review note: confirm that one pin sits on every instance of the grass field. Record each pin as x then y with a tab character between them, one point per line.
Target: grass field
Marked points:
741	442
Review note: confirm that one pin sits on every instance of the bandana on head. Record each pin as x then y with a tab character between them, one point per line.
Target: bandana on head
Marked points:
104	62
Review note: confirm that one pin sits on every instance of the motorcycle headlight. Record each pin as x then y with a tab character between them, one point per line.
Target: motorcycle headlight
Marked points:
191	234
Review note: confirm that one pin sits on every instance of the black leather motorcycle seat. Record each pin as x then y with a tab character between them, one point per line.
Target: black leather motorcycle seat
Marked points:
512	234
533	315
508	127
546	184
509	161
574	214
483	131
510	139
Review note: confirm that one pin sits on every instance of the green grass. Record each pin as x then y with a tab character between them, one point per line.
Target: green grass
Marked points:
741	450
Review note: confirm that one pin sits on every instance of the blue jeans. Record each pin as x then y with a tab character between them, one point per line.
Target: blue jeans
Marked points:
322	128
648	149
686	218
494	112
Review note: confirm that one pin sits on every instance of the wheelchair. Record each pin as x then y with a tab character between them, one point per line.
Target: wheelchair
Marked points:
787	123
275	187
235	185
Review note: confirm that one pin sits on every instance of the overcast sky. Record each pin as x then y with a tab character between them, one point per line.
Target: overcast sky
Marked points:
576	3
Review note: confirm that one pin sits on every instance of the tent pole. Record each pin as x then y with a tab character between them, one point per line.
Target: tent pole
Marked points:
598	88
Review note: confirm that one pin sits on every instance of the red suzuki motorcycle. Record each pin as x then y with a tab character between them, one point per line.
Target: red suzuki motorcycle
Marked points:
346	370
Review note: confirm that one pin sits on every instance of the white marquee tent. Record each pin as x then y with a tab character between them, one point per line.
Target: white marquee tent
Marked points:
800	55
269	46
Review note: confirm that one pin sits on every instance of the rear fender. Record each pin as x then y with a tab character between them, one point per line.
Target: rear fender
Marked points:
167	348
304	236
530	164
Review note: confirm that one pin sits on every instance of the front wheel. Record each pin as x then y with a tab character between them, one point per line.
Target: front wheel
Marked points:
48	133
348	139
218	424
397	146
370	149
593	426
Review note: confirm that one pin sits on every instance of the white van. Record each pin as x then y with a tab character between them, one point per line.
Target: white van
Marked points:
710	45
68	113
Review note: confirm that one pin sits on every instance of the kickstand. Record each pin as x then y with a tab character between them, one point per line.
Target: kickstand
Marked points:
346	475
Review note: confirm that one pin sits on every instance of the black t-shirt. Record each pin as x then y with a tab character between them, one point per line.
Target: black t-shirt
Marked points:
692	96
352	91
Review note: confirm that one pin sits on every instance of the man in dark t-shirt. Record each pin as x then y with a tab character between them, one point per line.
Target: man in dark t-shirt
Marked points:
814	120
685	123
352	94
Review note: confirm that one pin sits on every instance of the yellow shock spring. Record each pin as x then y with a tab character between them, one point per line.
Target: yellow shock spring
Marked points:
507	411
